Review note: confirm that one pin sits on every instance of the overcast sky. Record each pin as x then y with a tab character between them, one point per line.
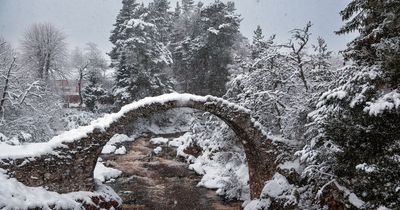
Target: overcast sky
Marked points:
91	20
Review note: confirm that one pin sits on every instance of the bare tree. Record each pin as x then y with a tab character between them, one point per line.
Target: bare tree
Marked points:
79	62
297	56
7	64
89	62
44	49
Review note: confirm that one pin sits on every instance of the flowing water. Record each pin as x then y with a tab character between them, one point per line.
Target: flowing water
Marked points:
161	182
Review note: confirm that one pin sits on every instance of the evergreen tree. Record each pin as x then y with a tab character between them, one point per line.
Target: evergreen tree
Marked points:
178	11
187	6
129	8
93	91
222	25
258	43
321	59
162	18
357	139
263	53
139	55
203	47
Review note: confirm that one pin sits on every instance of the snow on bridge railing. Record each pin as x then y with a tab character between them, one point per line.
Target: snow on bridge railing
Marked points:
39	149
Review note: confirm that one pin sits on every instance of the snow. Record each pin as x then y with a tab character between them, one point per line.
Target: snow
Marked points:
108	149
276	187
177	142
157	150
365	167
353	199
3	137
103	173
386	102
291	165
224	25
382	208
119	138
139	23
15	195
38	149
26	136
213	30
257	204
120	151
159	140
340	94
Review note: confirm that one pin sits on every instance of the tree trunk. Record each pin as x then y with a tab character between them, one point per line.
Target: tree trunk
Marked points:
3	98
80	88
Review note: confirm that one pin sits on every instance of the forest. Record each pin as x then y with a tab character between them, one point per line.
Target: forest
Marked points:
334	116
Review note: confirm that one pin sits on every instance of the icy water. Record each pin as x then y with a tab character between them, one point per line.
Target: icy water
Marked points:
161	182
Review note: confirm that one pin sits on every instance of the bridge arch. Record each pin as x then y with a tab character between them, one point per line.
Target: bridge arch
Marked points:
67	162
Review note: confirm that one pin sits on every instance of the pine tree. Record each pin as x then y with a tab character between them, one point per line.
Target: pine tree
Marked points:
178	11
321	59
187	6
219	25
263	53
358	122
127	12
139	54
162	18
93	91
258	43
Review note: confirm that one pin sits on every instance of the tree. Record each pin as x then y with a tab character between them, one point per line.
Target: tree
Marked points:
202	47
80	63
258	42
220	24
26	102
44	50
7	65
187	6
321	59
297	59
263	53
162	18
357	140
138	55
90	65
93	90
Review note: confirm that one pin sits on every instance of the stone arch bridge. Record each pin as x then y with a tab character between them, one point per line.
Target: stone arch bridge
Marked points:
66	163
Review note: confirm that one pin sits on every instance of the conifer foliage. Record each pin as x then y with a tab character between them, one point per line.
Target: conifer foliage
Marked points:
139	54
358	139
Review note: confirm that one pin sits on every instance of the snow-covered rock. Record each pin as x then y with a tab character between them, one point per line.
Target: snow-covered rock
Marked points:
120	151
159	140
108	149
157	150
103	173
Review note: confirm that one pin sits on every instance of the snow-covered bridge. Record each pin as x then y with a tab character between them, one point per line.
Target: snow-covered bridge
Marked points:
66	163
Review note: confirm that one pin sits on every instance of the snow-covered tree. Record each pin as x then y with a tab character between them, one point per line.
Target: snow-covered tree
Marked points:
138	55
29	109
7	66
87	63
298	59
202	46
44	50
93	90
357	141
160	16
